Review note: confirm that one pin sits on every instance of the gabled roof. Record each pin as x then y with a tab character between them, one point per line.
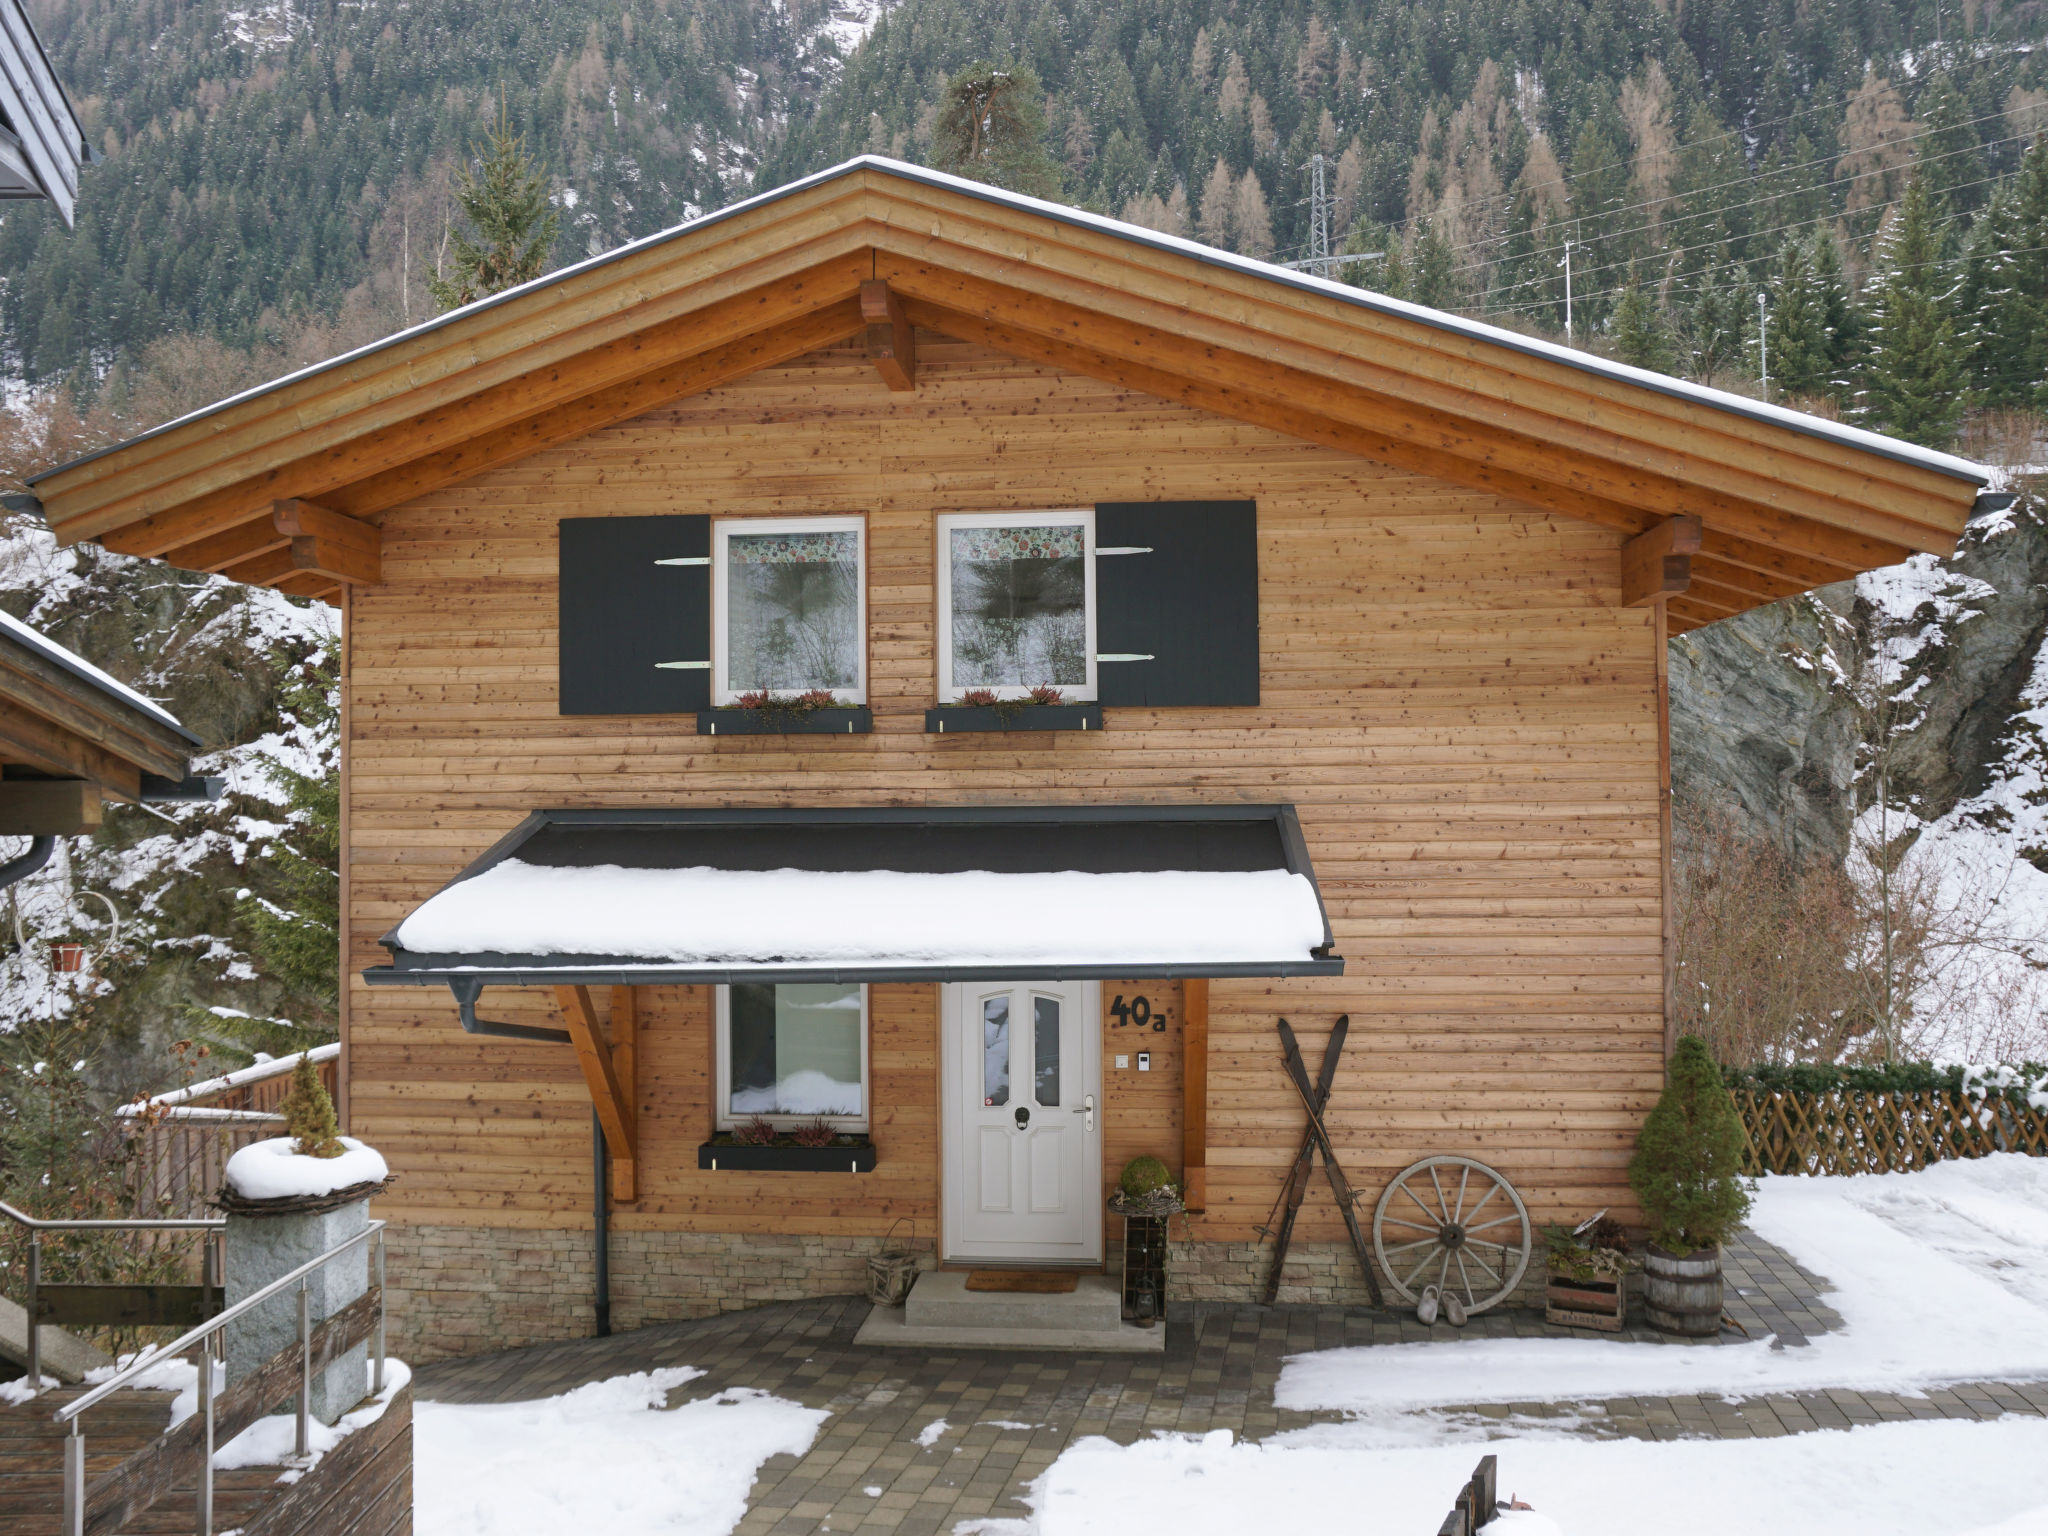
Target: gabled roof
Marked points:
1788	501
42	143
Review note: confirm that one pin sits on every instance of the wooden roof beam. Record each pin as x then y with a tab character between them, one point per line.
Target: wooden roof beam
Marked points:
891	345
1236	376
1736	578
330	544
1657	563
451	427
231	546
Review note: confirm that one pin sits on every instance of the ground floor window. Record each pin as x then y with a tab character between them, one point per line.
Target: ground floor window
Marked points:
793	1053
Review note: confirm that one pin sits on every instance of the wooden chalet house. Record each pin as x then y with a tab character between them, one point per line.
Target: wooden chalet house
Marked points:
1356	612
42	144
73	739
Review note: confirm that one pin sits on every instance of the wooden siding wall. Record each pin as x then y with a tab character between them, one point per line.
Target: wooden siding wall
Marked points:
1465	718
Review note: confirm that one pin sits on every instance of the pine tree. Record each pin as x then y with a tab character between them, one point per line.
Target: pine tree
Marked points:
1713	330
1914	379
1797	329
1839	315
991	127
1433	279
1687	1170
2003	302
1638	330
309	1113
511	222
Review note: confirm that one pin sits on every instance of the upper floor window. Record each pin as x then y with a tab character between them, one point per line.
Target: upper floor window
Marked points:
789	607
1017	603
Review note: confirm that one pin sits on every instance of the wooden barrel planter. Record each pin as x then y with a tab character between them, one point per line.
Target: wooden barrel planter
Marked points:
1682	1291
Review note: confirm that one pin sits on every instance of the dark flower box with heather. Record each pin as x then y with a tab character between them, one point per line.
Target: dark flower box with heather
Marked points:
979	709
810	714
760	1147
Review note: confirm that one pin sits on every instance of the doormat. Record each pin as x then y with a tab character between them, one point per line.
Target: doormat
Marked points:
1038	1282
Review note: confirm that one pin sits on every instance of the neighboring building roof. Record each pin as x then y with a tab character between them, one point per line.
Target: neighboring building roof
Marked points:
1788	501
42	142
880	894
12	629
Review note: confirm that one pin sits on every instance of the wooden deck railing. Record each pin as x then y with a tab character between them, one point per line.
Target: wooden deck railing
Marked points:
1846	1130
180	1142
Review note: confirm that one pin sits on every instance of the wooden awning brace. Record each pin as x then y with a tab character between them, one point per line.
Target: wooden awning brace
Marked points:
609	1068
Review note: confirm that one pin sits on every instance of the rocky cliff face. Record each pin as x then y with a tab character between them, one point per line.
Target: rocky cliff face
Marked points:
1766	717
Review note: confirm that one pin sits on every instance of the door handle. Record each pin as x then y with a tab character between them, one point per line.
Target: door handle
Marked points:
1087	1107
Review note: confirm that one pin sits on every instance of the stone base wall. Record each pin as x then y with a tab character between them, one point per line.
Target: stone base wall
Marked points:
1318	1274
470	1290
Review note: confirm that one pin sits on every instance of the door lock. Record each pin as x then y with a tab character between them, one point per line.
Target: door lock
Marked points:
1087	1107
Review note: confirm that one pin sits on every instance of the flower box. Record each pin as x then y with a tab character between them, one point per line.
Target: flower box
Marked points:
828	720
1596	1303
955	719
846	1155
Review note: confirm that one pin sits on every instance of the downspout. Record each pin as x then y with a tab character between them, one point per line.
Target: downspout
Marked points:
39	851
601	1225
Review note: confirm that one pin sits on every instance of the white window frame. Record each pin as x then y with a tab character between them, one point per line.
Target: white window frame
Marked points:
723	694
943	578
726	1120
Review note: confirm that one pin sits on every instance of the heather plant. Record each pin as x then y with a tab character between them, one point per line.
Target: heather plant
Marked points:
1688	1163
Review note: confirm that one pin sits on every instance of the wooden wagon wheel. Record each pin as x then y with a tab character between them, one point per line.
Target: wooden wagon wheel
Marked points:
1455	1224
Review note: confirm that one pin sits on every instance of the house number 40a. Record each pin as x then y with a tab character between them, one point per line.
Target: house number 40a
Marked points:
1137	1012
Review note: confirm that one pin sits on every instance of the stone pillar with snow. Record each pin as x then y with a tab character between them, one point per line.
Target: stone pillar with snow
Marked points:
284	1209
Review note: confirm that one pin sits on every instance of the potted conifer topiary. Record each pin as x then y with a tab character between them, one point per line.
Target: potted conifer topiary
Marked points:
1687	1174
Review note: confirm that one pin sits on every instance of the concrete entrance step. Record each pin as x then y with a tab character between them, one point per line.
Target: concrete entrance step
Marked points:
942	1312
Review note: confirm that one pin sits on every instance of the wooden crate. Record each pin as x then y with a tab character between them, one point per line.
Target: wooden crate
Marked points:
1600	1304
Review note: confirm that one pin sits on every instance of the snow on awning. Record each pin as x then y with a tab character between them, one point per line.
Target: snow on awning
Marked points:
1070	892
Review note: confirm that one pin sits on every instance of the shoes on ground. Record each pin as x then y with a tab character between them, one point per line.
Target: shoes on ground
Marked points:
1425	1310
1454	1310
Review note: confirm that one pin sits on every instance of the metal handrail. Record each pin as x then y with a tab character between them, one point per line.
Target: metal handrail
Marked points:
212	1325
206	1336
37	1226
124	1223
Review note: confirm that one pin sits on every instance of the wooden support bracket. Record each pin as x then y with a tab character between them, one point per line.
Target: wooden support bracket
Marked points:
1657	563
614	1108
49	807
889	341
345	548
1194	1079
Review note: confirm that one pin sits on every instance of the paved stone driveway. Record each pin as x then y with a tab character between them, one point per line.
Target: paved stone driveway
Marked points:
1010	1414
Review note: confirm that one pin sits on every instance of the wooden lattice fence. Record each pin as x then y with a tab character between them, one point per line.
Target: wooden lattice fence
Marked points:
1848	1130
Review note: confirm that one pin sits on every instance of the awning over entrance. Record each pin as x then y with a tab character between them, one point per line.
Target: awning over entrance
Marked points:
633	897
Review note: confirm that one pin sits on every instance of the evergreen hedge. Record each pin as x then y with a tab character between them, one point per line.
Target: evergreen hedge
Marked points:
1813	1077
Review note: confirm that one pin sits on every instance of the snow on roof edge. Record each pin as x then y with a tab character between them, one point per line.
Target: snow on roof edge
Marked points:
1738	405
78	666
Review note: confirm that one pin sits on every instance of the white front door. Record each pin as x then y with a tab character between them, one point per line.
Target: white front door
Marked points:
1022	1068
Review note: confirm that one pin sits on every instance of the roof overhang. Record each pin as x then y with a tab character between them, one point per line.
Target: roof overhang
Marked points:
61	716
1788	501
639	897
43	154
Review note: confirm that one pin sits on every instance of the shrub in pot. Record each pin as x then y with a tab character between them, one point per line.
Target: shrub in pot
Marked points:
1687	1175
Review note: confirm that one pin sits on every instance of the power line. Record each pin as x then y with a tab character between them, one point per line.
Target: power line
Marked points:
1707	245
1769	197
1905	138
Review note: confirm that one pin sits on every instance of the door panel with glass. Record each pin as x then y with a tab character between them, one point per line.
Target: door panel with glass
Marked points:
1023	1164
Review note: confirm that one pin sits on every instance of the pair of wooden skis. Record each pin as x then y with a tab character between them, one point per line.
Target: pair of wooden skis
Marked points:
1316	1139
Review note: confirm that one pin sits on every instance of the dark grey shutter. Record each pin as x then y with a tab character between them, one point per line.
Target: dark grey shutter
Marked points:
624	613
1191	603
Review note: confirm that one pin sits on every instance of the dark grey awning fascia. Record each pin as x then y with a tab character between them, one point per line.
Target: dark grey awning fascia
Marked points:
591	834
428	974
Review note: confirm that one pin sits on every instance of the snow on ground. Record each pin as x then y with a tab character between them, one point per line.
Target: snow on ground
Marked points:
602	1458
1921	1307
1939	1276
1919	1479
